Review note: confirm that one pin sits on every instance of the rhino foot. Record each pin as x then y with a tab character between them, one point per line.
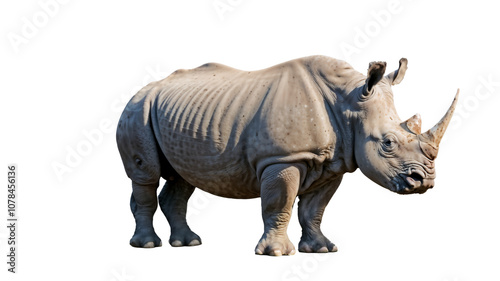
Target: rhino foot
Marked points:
319	244
274	246
145	239
184	238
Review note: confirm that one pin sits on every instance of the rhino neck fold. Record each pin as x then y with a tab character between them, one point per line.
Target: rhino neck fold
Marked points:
343	125
342	120
338	83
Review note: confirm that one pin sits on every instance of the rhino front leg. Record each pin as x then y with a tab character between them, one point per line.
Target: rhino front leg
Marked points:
311	208
143	204
279	187
173	203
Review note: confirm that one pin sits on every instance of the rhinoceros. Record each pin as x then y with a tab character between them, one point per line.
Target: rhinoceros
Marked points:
291	130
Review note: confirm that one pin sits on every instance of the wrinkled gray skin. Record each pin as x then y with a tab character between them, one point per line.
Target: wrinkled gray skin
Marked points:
288	131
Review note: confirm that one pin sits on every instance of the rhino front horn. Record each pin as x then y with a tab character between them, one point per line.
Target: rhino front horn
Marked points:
435	134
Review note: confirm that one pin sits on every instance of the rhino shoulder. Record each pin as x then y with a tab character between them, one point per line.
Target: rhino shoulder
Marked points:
326	64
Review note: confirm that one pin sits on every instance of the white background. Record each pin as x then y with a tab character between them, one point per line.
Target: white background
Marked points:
67	70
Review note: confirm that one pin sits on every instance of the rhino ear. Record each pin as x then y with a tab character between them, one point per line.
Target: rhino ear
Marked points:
397	76
376	71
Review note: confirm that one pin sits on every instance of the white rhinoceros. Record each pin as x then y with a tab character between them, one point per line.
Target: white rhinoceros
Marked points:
290	130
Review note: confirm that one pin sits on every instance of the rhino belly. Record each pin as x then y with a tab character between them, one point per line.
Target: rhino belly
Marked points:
203	165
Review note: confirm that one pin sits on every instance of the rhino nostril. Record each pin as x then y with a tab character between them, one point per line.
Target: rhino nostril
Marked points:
416	177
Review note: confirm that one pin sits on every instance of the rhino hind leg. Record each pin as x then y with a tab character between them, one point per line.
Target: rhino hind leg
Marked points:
279	187
143	204
311	208
173	203
140	155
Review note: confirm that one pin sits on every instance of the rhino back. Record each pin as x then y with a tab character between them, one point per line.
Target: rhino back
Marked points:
220	127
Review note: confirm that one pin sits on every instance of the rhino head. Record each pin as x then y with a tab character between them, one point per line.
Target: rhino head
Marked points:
394	153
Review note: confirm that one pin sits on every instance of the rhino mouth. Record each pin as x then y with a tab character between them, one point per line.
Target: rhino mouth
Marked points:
412	181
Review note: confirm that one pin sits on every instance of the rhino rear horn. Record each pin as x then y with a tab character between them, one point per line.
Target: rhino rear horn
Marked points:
376	72
414	124
436	133
397	76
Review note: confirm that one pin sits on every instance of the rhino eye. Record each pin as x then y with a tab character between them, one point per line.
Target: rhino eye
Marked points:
389	143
